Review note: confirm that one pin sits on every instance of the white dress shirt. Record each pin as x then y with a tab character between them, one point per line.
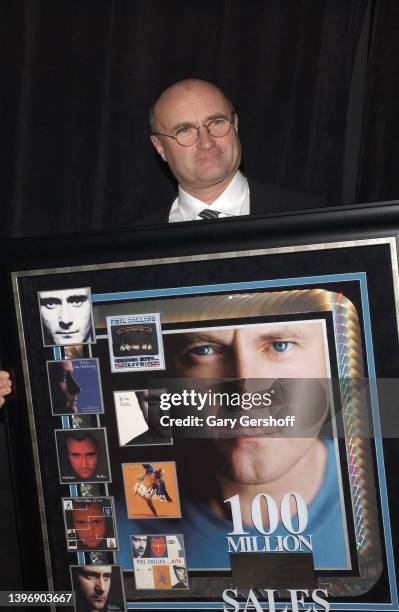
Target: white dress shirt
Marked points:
233	201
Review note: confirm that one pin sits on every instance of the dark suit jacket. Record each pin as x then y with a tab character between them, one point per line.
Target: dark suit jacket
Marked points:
264	198
268	198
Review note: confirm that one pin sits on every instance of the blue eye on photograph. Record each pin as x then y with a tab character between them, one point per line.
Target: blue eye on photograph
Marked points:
281	346
203	350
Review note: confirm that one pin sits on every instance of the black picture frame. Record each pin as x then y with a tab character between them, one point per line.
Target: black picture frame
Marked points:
319	244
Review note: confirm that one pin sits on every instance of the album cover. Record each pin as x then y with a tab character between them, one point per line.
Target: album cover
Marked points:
135	342
89	523
66	316
138	419
151	490
75	386
98	587
83	455
159	561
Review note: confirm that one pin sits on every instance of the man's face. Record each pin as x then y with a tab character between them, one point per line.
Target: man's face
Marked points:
94	583
142	398
82	456
66	315
89	524
150	402
65	387
209	162
181	574
174	547
265	351
139	544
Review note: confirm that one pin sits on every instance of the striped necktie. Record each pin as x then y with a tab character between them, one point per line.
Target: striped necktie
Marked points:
209	214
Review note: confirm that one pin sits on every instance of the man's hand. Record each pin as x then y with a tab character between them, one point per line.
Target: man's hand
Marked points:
5	386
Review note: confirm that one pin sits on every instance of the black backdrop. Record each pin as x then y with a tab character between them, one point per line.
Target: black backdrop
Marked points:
313	82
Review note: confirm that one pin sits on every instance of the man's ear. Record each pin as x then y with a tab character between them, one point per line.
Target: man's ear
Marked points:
159	147
235	122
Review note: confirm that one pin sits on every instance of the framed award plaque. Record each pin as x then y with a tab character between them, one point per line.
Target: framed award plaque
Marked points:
207	413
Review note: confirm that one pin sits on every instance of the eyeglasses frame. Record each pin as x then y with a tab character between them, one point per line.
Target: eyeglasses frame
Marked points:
205	125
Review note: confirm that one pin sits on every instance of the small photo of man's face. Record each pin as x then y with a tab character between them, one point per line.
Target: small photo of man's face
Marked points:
82	456
90	525
181	575
98	587
66	316
139	544
64	388
93	583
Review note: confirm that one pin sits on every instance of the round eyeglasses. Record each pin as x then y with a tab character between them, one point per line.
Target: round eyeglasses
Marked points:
188	135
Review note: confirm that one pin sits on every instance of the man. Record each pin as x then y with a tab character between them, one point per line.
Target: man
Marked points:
82	454
92	583
63	387
90	525
181	575
244	466
280	351
194	129
139	545
127	423
66	316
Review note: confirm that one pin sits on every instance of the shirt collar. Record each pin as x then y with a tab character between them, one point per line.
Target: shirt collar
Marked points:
186	207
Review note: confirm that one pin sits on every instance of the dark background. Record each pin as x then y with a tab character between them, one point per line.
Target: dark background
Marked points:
315	83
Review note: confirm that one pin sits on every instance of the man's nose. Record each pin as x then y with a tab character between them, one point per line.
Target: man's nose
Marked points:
247	362
73	386
100	586
205	140
65	316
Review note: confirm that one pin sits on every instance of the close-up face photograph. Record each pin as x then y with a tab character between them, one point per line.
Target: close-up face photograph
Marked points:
139	545
93	586
66	316
253	358
293	349
82	455
90	525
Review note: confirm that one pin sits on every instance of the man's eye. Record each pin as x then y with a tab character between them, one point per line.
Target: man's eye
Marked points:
282	346
77	302
183	131
203	350
50	304
218	121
